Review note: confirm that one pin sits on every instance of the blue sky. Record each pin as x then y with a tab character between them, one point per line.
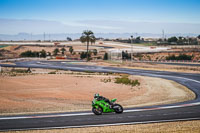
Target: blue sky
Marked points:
88	13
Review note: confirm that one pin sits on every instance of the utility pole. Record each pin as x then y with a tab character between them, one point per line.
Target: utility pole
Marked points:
44	36
163	35
31	36
131	48
49	37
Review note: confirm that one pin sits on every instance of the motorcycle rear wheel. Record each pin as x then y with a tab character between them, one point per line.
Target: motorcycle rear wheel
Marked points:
97	111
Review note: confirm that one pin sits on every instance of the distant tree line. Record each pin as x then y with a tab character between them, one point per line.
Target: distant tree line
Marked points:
134	40
180	41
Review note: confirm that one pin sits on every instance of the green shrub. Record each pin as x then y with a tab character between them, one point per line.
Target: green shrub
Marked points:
54	72
179	57
83	55
19	71
29	53
105	56
95	52
89	72
106	80
125	80
71	49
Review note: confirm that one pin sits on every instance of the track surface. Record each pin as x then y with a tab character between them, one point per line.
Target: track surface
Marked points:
189	110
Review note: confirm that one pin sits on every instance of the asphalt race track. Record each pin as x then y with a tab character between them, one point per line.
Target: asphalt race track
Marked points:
189	110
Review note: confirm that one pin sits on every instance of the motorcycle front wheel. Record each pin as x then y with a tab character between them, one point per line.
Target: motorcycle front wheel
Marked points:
97	111
118	108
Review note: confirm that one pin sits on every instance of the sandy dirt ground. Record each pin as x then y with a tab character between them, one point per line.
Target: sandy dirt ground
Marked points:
76	47
38	93
167	127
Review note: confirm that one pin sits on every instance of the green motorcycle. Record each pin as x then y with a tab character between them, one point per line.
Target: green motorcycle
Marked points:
99	107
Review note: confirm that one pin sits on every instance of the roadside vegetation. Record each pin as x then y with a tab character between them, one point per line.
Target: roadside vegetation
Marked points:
54	72
125	80
179	57
56	51
29	53
2	46
15	72
84	55
71	50
105	56
63	50
162	41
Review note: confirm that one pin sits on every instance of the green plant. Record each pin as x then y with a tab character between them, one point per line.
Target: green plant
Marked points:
19	71
95	52
83	55
71	49
125	80
54	72
43	53
179	57
56	51
105	56
89	72
63	51
172	39
29	53
106	80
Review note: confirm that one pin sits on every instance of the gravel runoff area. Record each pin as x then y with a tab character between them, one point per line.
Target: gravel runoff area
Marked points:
64	91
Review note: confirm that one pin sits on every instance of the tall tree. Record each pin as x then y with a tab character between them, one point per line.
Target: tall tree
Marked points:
87	36
93	40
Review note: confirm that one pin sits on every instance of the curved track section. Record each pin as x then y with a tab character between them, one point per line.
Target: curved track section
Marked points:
189	110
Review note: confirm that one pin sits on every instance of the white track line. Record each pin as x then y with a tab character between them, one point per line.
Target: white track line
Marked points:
43	116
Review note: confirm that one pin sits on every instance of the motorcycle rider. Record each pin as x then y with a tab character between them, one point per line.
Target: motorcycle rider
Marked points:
98	98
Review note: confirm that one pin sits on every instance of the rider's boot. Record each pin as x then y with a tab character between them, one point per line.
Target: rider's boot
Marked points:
110	105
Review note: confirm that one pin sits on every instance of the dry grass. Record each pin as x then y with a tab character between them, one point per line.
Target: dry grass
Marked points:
168	127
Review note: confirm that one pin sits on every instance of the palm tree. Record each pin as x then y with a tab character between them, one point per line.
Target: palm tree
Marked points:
56	51
93	40
87	36
63	50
